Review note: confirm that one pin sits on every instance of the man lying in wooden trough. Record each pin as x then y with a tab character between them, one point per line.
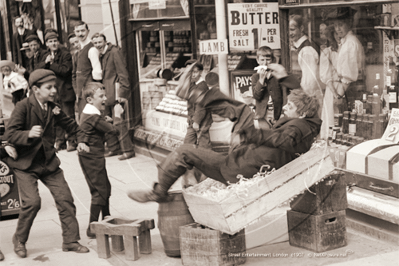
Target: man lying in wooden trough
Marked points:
291	136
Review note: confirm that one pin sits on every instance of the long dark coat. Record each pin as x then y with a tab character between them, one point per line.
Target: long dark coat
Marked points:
114	69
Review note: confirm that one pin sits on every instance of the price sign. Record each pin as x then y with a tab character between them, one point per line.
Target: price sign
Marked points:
392	131
252	25
10	202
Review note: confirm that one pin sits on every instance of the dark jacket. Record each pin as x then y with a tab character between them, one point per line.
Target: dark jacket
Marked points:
272	87
274	147
62	67
82	74
26	114
34	61
197	113
95	128
17	41
114	70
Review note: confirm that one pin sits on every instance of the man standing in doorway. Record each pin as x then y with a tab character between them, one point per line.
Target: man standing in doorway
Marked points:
18	39
88	66
117	89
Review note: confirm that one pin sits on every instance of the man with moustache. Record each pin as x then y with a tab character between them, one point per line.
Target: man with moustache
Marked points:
88	66
115	72
59	60
18	38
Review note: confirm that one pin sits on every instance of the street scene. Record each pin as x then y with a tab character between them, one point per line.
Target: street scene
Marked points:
199	132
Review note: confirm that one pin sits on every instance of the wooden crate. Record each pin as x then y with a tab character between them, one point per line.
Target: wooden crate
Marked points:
202	246
324	197
236	211
318	233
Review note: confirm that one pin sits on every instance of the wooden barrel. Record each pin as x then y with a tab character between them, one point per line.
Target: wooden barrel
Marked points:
172	215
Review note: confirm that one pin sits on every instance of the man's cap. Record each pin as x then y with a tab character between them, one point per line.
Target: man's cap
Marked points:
9	63
41	76
50	35
32	38
212	79
25	46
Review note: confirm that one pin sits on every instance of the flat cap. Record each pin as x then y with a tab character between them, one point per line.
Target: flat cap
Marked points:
8	63
50	35
25	46
32	37
41	76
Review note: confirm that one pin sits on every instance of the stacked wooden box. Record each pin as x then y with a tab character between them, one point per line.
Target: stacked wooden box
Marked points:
203	246
316	220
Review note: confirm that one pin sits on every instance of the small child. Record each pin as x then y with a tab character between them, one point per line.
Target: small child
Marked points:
95	127
266	88
199	120
13	81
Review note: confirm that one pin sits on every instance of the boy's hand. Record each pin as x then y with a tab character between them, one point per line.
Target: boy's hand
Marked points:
11	151
262	75
109	119
278	71
196	126
82	147
118	110
35	132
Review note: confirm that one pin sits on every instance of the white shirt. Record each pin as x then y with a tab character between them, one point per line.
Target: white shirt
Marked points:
328	65
15	81
351	59
94	57
91	110
308	61
21	31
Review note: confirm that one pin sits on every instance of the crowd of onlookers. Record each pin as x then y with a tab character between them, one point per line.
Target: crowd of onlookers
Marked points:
73	99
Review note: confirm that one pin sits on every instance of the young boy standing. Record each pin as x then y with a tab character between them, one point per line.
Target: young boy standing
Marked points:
266	87
199	120
31	129
95	127
15	82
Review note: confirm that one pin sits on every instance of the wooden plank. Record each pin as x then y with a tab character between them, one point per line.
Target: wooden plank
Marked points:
268	202
131	248
103	246
145	242
282	175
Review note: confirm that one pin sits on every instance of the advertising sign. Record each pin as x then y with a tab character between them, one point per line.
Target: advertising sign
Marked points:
392	131
241	84
10	202
252	25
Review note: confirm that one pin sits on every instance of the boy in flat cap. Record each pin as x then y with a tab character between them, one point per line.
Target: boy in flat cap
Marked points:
37	52
59	60
31	130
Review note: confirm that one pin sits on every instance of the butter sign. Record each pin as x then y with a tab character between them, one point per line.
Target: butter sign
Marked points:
392	131
213	47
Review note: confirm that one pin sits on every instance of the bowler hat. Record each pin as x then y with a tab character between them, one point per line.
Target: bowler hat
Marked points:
50	35
25	46
32	37
4	63
41	76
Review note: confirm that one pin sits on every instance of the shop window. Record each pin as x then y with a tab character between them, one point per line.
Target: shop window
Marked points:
346	55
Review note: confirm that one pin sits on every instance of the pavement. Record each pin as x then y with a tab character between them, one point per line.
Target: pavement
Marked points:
44	244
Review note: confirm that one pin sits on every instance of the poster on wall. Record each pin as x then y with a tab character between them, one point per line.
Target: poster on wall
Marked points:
252	25
241	85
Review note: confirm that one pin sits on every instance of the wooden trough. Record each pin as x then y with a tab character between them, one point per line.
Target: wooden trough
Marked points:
238	210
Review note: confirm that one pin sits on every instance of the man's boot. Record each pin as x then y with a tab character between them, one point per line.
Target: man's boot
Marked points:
160	191
157	194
